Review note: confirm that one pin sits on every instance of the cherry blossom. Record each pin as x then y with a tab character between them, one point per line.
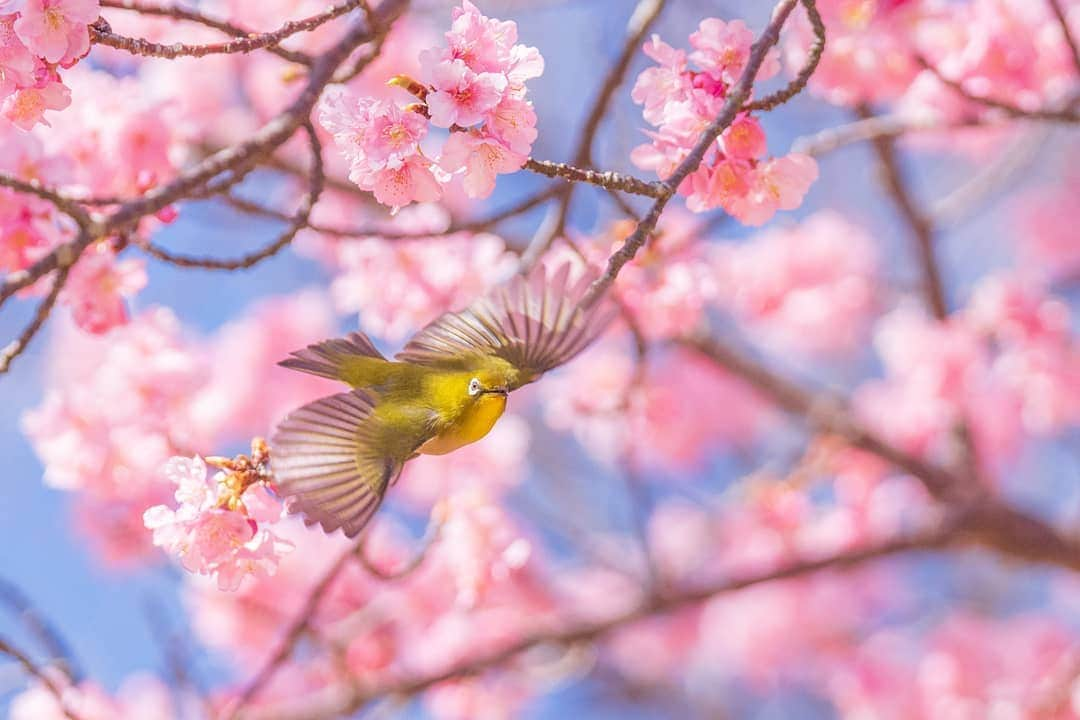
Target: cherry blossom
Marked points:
682	102
474	86
211	538
97	288
56	29
809	287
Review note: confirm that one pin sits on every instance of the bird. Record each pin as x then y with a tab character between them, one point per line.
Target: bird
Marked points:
334	459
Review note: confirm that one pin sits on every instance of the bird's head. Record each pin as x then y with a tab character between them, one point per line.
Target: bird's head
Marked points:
494	376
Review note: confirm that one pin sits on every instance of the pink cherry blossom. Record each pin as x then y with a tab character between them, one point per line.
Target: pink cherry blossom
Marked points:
26	107
682	102
482	158
16	61
743	139
460	96
97	287
776	184
483	44
56	29
808	288
398	287
412	181
210	539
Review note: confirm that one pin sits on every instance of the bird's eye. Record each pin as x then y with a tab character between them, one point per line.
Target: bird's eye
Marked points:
474	386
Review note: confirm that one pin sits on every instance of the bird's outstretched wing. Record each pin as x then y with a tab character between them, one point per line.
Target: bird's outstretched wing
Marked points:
534	322
331	463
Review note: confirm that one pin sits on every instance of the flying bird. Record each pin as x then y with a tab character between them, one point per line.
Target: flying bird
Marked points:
334	459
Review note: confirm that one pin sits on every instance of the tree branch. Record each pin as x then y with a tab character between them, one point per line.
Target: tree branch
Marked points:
16	347
297	222
33	670
182	13
102	34
338	706
736	98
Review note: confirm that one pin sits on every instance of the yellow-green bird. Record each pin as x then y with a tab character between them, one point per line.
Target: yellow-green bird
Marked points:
334	459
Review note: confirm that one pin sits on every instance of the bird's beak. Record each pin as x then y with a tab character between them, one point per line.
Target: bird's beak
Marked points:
504	391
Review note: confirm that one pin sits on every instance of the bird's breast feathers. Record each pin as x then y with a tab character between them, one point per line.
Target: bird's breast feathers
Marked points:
473	423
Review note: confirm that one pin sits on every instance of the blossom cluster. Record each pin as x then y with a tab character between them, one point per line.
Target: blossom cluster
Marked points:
1009	50
218	529
474	87
683	94
37	38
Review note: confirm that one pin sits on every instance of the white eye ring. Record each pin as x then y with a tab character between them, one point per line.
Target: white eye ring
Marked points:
474	386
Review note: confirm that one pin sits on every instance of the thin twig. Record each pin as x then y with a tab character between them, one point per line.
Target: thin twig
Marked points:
290	637
607	179
41	629
102	34
1066	31
177	12
921	227
645	14
862	130
41	675
19	344
813	57
1060	116
68	206
733	104
296	223
431	535
339	706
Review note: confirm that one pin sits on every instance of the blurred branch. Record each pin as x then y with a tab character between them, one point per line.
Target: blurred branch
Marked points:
296	223
1066	31
733	104
431	535
41	629
920	225
645	14
68	206
982	519
990	178
290	638
1059	116
17	346
876	126
187	14
102	34
40	674
344	705
475	225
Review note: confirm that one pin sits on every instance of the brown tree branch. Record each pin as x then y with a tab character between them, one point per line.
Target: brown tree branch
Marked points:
40	674
733	104
17	346
102	34
347	704
297	222
610	180
290	638
982	519
47	636
1048	115
645	14
921	227
177	12
1066	31
813	57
